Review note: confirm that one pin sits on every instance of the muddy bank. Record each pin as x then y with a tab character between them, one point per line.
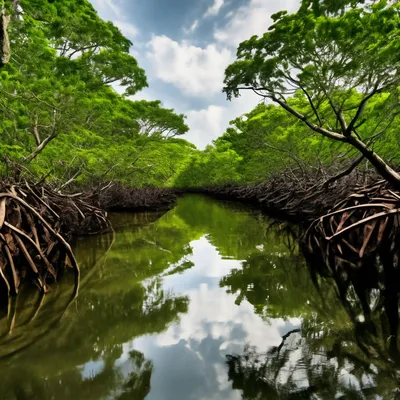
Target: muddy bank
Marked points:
116	197
289	197
36	224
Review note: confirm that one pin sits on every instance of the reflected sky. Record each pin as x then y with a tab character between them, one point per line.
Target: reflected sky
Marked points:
189	358
202	302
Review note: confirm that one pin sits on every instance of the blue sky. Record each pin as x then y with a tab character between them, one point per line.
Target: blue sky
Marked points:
185	46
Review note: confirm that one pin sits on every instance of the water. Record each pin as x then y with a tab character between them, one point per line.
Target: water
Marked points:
203	302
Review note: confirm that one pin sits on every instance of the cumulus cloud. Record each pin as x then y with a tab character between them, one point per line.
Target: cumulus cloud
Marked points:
127	29
206	124
209	123
194	70
254	18
214	9
251	19
112	10
198	72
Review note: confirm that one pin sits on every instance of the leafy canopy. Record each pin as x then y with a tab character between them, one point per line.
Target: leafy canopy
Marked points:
323	55
60	114
338	62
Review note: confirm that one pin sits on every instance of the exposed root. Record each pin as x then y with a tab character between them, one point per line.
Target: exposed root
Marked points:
292	196
348	225
34	225
356	244
117	197
357	227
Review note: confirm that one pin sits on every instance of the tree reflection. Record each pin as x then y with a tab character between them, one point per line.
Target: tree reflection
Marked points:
138	384
85	355
109	382
269	281
347	346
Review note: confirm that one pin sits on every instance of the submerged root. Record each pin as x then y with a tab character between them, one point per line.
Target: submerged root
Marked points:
293	196
35	223
117	197
359	227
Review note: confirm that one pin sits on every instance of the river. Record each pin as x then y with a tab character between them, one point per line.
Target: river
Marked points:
206	301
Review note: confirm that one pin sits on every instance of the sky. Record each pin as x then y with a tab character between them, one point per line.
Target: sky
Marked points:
185	46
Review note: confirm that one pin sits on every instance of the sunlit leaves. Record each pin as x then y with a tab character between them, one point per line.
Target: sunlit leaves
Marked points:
322	54
58	87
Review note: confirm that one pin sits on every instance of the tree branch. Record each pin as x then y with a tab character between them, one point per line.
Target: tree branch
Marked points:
344	173
291	110
316	128
312	105
40	148
36	132
70	180
361	109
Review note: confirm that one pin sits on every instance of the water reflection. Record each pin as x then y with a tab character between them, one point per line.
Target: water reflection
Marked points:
167	299
347	346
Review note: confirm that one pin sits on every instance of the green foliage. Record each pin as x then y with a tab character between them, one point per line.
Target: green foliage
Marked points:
214	166
59	113
326	56
334	68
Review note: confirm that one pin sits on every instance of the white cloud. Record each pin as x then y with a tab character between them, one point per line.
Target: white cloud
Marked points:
111	10
193	27
214	9
208	124
196	71
199	72
251	19
127	29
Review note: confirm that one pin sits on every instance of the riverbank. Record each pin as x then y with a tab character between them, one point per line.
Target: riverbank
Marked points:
117	197
344	224
297	199
37	223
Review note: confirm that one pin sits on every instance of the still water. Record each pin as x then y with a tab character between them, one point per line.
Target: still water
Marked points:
203	302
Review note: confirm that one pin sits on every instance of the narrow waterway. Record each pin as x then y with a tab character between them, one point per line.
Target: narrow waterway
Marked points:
203	302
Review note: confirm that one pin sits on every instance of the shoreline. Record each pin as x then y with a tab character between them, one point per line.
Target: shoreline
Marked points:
37	223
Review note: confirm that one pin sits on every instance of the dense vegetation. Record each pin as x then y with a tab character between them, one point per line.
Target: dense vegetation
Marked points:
59	112
328	77
345	65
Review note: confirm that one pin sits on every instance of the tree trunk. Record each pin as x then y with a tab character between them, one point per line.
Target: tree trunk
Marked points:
39	148
4	39
380	165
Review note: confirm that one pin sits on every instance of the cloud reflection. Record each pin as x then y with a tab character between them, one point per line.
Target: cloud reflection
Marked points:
189	358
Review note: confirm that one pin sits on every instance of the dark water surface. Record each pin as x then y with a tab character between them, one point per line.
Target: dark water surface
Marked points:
199	303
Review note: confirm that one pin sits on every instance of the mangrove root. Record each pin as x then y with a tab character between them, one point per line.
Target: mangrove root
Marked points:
361	227
35	223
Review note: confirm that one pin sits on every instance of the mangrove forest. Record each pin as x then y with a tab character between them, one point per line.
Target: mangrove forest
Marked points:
141	260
